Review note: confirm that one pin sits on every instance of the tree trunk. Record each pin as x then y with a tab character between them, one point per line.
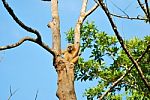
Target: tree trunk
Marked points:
65	71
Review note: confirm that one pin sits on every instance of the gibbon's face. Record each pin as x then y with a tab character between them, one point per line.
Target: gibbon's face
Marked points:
69	48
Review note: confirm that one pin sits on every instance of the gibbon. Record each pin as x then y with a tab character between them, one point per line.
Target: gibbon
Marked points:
71	53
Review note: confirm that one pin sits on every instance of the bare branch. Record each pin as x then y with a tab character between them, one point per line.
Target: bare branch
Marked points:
82	17
46	47
11	93
92	9
126	73
142	7
84	6
55	27
42	44
127	17
147	9
119	8
19	22
17	44
36	95
79	23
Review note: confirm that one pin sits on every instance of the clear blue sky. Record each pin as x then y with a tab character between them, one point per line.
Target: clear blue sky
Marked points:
28	68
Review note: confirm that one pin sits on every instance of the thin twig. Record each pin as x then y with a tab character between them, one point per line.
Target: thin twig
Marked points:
119	8
19	22
36	95
130	18
11	93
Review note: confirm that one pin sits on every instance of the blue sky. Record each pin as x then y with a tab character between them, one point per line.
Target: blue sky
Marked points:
28	67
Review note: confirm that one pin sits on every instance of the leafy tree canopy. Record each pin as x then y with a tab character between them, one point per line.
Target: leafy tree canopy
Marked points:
106	61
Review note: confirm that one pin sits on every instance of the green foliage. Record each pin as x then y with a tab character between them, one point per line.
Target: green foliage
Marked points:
70	35
106	61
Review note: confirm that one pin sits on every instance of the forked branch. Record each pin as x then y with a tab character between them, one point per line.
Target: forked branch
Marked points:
11	93
42	44
82	17
29	29
142	7
19	22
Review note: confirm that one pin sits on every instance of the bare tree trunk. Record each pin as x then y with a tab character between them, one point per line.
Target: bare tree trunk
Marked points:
65	69
65	82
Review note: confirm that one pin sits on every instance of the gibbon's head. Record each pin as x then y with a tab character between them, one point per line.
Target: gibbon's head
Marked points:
70	47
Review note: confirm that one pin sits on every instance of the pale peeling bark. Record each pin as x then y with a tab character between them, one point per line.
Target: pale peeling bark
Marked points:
79	23
65	71
55	27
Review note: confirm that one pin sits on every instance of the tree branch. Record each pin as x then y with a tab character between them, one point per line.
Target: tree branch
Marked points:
11	93
82	17
142	7
127	17
55	27
119	8
147	9
19	22
42	44
36	95
92	10
79	23
126	73
17	44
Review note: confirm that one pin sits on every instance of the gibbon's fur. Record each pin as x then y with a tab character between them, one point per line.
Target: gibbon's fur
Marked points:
71	53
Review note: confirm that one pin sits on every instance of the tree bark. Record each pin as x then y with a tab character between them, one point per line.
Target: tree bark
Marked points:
64	69
65	82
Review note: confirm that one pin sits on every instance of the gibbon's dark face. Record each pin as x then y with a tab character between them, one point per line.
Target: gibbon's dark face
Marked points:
69	48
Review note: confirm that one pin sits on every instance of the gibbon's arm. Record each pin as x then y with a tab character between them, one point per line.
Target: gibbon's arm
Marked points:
75	51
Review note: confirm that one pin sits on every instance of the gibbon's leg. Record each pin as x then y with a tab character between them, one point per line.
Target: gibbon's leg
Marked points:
74	60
